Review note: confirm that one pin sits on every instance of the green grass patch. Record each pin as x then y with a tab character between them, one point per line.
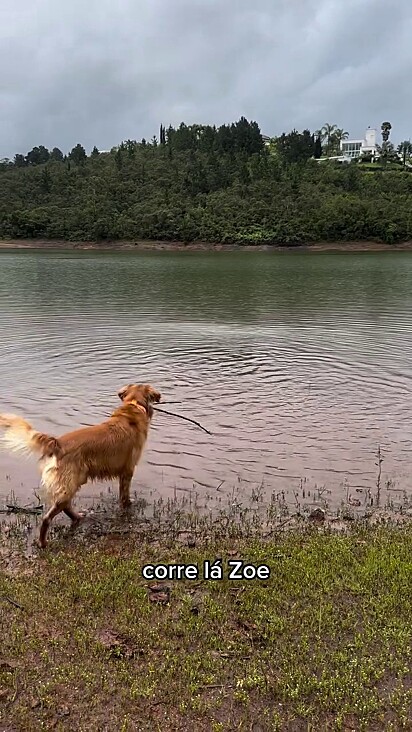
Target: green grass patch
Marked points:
323	644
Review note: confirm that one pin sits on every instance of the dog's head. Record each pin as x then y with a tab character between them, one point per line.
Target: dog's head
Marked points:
143	394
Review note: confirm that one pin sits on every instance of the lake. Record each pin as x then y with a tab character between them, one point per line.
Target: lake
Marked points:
299	364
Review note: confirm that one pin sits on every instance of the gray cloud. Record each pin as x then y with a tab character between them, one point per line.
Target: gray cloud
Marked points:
97	72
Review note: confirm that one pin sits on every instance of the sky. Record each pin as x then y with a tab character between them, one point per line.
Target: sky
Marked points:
102	71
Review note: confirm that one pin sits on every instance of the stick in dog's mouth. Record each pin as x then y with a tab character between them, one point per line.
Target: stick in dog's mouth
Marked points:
180	416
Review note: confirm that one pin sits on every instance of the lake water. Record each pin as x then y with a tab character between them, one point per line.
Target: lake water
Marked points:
299	363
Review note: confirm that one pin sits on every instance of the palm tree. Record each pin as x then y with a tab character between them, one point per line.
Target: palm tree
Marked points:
386	131
341	134
326	133
337	136
331	137
386	150
405	149
387	154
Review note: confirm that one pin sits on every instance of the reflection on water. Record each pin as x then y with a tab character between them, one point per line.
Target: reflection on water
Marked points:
298	363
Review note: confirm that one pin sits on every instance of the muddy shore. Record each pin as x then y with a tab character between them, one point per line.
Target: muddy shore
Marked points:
344	246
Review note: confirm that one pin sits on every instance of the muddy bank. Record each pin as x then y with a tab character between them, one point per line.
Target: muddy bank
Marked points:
190	518
174	246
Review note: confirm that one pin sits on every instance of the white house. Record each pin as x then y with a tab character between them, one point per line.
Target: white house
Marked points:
355	148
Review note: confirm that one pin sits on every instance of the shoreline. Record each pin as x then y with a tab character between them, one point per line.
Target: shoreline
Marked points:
172	246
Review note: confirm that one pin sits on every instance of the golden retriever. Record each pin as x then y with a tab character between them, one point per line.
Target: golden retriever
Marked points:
104	451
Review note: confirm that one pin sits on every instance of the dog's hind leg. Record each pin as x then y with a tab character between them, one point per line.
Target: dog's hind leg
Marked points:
124	489
73	515
57	508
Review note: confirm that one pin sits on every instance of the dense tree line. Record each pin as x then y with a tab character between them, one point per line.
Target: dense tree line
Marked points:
202	183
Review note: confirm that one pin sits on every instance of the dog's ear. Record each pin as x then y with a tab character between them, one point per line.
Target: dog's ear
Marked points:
152	394
123	392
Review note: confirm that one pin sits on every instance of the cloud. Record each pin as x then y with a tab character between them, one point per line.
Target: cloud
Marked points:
98	72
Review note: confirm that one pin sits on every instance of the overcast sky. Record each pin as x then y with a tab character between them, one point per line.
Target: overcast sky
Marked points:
101	71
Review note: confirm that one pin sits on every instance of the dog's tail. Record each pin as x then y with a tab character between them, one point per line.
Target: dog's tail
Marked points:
20	436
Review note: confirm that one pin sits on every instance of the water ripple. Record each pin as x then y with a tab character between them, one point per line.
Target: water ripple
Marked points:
294	374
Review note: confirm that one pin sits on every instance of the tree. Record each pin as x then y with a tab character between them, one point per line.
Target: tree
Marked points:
95	152
317	153
387	153
213	184
326	135
224	139
57	155
331	136
37	155
130	146
405	150
20	161
296	147
119	159
366	157
386	131
337	137
207	139
247	137
45	180
78	154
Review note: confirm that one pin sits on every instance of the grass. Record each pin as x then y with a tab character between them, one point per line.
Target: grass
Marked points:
323	644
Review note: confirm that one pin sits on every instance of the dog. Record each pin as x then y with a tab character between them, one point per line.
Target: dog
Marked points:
104	451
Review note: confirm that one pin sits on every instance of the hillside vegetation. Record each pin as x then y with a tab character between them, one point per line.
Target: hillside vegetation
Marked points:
202	183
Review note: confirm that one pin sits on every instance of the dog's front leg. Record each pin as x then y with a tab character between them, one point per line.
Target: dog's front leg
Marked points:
124	489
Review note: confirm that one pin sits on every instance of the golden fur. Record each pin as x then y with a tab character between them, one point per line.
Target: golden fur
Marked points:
104	451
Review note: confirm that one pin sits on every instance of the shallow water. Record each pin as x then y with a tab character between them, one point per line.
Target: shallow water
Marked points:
299	363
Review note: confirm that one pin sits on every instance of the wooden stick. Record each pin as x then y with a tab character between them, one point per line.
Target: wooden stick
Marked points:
32	511
180	416
6	598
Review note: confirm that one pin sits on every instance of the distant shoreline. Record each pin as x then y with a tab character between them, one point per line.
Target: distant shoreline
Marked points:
172	246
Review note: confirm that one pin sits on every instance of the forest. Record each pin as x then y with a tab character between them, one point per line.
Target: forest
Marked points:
204	183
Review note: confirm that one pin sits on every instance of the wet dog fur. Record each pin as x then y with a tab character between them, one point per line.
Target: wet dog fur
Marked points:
104	451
